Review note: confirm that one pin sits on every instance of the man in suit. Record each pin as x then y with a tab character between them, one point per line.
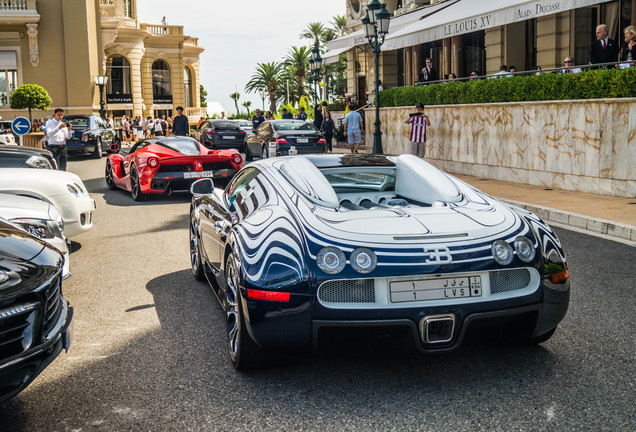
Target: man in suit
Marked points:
603	49
428	72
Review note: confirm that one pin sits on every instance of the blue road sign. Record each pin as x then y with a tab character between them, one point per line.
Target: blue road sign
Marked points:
21	125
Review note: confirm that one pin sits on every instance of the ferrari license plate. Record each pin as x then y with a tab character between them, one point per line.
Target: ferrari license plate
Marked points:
435	289
228	137
197	174
303	140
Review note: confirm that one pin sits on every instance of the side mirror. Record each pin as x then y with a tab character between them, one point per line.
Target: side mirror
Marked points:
204	186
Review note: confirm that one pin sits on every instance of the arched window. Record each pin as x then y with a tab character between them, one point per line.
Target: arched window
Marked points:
118	72
161	78
187	83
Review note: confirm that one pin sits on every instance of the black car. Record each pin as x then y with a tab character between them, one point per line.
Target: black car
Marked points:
218	134
35	318
283	138
15	156
90	135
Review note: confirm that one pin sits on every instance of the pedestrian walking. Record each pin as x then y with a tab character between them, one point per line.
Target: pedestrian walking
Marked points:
327	128
125	128
353	125
158	127
180	125
419	122
57	132
257	119
318	116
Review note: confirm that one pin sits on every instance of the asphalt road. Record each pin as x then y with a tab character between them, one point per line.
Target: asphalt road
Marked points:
149	351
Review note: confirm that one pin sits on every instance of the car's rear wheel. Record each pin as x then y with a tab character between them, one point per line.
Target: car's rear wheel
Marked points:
243	351
110	182
135	188
97	154
542	338
195	254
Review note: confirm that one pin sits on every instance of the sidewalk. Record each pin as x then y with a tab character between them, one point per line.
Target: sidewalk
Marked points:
598	214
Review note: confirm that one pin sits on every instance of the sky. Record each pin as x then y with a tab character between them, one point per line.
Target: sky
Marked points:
239	34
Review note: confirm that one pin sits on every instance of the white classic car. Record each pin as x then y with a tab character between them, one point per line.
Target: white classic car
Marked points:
63	189
38	218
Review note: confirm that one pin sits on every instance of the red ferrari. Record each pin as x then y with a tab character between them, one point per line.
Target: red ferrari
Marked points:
167	164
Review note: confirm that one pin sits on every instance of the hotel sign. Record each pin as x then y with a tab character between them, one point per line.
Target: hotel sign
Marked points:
119	98
162	99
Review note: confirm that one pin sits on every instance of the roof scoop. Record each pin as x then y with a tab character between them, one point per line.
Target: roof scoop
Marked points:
420	181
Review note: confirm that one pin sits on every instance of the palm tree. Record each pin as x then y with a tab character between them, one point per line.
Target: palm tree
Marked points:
236	97
338	24
313	31
267	76
297	61
247	104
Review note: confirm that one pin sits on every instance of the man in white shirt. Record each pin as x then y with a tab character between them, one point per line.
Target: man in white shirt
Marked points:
569	62
57	132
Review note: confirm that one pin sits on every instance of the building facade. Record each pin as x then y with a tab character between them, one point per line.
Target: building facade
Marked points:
461	36
63	45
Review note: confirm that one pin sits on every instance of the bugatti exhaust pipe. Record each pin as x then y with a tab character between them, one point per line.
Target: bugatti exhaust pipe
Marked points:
437	328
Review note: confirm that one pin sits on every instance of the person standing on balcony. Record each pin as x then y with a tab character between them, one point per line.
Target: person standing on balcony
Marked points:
603	49
428	72
628	53
419	122
164	23
180	125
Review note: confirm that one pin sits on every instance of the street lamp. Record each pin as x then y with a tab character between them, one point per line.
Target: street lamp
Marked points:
262	92
376	26
315	63
101	81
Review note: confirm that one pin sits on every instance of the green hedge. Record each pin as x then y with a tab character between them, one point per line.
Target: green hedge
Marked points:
614	83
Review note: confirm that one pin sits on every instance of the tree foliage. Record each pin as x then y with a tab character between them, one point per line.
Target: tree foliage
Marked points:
203	96
268	76
30	96
235	97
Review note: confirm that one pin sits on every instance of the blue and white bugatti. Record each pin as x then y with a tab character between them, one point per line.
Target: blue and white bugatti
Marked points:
308	247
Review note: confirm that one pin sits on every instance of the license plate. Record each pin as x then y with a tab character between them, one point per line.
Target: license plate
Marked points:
435	289
197	174
228	137
303	140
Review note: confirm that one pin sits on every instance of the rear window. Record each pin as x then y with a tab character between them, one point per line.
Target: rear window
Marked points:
245	123
183	146
294	126
361	180
77	122
225	125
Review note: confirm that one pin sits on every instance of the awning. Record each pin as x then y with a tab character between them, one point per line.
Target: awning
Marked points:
333	55
467	16
358	37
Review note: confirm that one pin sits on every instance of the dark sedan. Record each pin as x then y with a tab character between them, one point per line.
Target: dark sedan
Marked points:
15	156
284	138
35	318
91	135
221	134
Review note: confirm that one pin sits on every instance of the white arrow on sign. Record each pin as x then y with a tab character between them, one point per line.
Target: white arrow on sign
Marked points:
21	126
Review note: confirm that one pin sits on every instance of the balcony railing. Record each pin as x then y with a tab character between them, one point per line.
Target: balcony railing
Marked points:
18	12
162	30
16	5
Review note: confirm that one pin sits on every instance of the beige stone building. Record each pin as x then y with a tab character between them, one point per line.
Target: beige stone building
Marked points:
461	36
64	44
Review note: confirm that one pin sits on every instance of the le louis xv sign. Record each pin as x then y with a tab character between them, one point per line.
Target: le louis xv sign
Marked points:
519	13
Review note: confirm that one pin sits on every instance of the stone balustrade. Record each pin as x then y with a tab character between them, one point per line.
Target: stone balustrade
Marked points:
579	145
162	30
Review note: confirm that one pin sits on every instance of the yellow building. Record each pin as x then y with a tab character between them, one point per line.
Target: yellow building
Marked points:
461	36
63	45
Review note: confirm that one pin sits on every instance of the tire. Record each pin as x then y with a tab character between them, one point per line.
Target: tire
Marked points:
248	155
542	338
195	251
110	182
97	154
135	188
244	353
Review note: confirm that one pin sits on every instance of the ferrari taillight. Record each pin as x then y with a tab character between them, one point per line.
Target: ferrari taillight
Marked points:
153	162
238	159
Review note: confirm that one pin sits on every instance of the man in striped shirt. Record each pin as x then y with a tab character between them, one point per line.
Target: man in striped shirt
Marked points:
419	122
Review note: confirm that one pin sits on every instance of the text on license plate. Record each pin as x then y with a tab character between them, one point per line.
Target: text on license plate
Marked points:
197	174
435	289
303	140
228	137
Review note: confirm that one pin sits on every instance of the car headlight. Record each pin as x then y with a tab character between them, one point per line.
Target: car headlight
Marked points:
38	227
363	260
331	260
502	252
39	162
525	249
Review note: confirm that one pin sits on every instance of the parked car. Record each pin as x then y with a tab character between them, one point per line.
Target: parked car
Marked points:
284	137
6	134
64	190
35	318
166	164
16	156
299	250
219	134
38	218
245	125
90	135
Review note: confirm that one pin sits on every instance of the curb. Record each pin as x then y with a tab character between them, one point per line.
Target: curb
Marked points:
580	221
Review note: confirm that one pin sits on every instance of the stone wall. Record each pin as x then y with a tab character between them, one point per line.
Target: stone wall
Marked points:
579	145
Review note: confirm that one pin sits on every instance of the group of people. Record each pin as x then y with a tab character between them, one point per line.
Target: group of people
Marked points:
137	128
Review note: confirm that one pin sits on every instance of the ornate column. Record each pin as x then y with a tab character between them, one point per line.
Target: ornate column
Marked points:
34	51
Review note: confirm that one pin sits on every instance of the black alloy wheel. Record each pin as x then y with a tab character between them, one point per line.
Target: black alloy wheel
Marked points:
135	188
97	154
244	353
110	182
195	254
